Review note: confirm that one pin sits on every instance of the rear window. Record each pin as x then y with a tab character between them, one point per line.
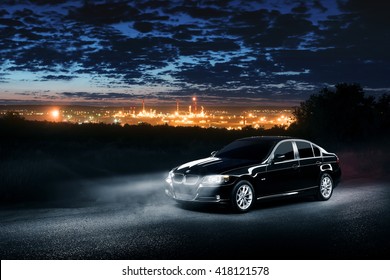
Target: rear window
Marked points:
317	151
304	149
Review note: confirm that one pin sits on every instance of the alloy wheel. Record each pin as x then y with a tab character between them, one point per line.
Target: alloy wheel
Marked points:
326	186
244	197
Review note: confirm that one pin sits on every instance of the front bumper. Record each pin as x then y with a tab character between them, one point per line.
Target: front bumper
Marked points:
199	192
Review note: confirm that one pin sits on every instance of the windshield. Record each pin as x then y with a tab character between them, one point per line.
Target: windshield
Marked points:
246	149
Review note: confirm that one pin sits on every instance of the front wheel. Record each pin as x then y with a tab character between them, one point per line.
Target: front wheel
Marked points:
242	196
326	187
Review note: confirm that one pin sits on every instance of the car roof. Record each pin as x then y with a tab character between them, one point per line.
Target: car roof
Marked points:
265	138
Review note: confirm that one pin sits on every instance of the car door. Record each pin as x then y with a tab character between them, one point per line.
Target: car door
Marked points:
282	172
308	165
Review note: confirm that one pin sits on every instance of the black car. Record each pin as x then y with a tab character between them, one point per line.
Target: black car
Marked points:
256	168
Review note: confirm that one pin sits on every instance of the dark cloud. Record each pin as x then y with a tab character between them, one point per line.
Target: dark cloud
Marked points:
154	4
333	65
300	9
154	16
185	31
207	13
217	75
368	9
47	2
201	47
256	21
216	48
11	22
265	28
220	3
279	35
143	26
3	12
196	11
23	13
318	5
107	13
57	77
41	58
96	95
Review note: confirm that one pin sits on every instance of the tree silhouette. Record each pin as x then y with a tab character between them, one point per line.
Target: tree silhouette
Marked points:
341	115
382	113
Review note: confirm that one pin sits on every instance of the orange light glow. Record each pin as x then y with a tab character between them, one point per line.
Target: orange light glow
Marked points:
55	113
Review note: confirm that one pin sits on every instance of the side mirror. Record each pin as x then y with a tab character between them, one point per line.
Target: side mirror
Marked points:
213	153
279	157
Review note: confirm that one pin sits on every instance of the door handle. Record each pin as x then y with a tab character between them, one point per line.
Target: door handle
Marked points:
318	162
295	166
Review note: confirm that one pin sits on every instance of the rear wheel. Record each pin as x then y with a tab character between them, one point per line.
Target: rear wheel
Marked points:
325	187
243	196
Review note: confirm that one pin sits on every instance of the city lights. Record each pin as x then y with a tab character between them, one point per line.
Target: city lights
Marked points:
196	115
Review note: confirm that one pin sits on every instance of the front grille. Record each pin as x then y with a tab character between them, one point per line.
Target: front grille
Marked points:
185	185
179	178
191	179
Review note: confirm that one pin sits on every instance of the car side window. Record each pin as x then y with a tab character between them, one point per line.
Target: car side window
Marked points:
284	152
317	152
304	149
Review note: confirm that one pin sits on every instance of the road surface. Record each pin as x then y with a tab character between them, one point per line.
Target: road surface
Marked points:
131	218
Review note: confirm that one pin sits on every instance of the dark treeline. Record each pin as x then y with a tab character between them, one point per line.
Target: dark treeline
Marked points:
35	156
343	115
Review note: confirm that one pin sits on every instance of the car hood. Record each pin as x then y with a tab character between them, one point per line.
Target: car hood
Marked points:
212	165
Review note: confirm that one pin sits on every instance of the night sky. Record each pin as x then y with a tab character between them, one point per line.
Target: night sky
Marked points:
224	52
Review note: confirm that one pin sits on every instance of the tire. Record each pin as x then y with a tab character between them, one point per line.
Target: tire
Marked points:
243	197
326	186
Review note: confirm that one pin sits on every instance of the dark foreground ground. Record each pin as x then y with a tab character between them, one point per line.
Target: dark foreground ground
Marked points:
130	218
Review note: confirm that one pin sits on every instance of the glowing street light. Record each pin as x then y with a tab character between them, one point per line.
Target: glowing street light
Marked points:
55	113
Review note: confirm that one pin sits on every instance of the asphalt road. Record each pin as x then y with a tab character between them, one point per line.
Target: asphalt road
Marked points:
130	218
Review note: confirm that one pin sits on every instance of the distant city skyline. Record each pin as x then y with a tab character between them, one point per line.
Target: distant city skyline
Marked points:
268	52
232	117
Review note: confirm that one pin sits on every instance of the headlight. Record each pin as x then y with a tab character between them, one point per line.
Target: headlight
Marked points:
215	179
169	178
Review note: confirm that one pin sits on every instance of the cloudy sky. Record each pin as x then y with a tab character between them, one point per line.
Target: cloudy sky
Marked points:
232	52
